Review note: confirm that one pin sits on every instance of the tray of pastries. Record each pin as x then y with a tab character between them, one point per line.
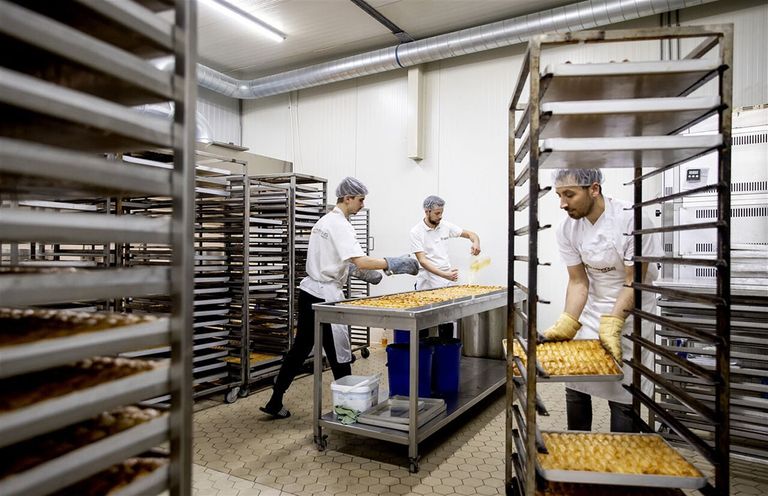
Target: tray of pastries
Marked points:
624	459
565	489
20	326
573	361
33	452
415	299
118	477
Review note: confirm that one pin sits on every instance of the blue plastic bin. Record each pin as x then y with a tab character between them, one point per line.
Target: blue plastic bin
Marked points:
398	368
446	362
403	337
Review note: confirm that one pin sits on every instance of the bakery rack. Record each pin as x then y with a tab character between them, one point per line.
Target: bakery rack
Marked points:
360	337
631	115
277	212
212	243
69	81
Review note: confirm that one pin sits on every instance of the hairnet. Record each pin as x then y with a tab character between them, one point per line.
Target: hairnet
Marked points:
433	201
349	186
577	177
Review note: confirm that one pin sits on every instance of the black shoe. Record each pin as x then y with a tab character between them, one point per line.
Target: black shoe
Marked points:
278	413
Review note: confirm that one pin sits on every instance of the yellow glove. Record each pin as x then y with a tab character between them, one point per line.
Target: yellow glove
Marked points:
610	334
564	329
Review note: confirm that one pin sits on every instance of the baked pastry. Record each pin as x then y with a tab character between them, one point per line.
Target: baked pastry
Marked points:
25	390
634	454
575	357
566	489
18	326
416	299
114	478
28	454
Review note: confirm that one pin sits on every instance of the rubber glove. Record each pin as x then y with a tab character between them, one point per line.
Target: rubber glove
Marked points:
401	265
610	334
369	276
564	329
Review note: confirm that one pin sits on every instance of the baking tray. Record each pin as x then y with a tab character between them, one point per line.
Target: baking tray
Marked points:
615	479
582	378
86	460
51	414
383	415
47	353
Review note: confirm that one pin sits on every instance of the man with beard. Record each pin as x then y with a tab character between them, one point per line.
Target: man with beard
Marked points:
593	244
333	252
428	239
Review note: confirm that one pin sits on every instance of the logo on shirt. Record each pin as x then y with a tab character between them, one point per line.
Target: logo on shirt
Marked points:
600	269
323	234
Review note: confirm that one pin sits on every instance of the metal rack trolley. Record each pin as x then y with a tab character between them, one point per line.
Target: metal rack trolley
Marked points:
277	212
360	337
67	87
212	292
643	131
479	377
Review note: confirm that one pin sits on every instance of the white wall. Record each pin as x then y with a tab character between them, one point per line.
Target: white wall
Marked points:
358	128
222	114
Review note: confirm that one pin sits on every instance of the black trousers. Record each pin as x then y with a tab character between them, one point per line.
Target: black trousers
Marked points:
303	344
579	413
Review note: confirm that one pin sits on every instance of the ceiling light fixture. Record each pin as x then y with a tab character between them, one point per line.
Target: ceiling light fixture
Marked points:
262	27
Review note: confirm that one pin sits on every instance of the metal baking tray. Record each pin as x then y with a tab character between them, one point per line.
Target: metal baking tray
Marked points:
394	412
648	151
87	460
615	479
47	353
153	483
51	414
581	378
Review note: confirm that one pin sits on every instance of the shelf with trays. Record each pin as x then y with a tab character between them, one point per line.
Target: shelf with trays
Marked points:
629	115
360	337
73	75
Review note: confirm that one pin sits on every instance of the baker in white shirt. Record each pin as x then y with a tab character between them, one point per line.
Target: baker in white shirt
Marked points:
428	243
333	251
593	244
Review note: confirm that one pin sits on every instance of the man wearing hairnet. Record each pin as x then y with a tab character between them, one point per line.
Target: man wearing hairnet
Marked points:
593	244
333	251
428	239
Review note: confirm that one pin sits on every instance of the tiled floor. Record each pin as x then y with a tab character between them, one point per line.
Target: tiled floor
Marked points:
240	452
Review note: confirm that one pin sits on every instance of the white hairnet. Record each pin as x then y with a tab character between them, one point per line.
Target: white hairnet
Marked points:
349	186
577	177
433	201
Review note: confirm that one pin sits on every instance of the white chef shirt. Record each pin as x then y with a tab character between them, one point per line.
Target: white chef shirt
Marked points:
331	244
431	241
604	250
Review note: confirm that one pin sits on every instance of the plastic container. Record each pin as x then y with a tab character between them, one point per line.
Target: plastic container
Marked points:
404	336
446	363
359	392
398	367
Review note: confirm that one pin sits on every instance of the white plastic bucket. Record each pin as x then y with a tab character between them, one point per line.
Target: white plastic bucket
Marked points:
359	392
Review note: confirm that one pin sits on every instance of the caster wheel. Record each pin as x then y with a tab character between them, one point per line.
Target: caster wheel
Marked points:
243	392
365	353
232	395
321	442
413	467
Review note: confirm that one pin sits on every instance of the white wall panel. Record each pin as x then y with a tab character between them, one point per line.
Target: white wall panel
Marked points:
267	126
222	114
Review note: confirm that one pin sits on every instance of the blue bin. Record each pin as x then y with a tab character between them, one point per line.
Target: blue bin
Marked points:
445	365
398	366
404	336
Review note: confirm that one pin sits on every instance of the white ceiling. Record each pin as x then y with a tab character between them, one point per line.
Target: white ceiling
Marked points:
321	30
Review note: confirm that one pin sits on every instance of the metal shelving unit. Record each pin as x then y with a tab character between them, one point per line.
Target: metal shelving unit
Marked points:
479	377
360	337
212	242
628	114
277	212
72	73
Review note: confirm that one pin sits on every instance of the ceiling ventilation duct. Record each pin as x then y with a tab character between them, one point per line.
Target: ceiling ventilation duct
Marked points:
575	17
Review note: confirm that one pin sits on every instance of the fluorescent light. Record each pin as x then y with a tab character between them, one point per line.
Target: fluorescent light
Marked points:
262	27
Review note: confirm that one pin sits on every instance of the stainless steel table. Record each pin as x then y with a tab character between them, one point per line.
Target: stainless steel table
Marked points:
479	377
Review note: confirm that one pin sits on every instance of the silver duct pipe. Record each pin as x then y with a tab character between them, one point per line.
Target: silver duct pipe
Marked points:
575	17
